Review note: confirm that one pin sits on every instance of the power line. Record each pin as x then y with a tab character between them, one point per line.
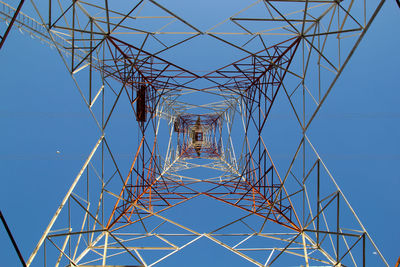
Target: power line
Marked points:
12	239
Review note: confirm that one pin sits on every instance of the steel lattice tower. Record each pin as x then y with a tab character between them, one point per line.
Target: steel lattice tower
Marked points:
202	134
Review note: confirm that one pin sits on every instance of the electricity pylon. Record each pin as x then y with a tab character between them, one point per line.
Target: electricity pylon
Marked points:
202	134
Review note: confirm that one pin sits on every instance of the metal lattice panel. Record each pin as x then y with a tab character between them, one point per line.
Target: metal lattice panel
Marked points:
201	122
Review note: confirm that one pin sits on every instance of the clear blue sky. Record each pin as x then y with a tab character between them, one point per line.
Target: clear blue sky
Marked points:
357	134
